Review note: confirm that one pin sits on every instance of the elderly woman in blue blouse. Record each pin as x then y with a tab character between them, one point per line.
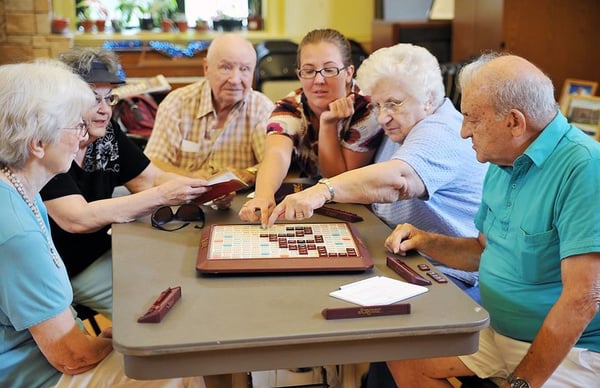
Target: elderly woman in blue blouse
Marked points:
43	344
424	172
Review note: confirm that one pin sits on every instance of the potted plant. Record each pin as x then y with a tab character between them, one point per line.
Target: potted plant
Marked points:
224	22
84	16
202	25
100	14
60	25
127	9
162	9
145	15
117	24
149	12
90	13
255	20
181	22
166	25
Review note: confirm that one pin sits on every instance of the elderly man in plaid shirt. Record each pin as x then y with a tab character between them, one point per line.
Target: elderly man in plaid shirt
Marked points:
215	124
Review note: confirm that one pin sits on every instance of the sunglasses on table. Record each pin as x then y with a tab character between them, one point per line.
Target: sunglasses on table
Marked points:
188	213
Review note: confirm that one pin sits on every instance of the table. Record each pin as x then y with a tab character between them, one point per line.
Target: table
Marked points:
230	324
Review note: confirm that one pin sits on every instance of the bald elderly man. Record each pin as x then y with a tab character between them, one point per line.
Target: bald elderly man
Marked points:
538	249
215	124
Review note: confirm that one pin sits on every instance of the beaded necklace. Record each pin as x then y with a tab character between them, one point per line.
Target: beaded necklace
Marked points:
36	212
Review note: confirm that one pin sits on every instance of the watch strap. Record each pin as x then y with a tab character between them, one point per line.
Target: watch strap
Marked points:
327	183
517	382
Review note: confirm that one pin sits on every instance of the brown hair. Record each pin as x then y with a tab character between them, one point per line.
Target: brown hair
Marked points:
331	36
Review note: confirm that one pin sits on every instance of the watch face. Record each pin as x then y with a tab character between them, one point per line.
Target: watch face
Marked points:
519	383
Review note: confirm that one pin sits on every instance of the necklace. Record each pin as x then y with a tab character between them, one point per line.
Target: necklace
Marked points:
36	212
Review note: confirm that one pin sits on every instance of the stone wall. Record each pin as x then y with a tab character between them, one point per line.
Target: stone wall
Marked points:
25	31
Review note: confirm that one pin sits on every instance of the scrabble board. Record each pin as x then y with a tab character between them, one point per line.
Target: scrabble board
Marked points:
285	247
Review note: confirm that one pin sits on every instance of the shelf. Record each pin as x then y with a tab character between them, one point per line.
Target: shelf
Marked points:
434	35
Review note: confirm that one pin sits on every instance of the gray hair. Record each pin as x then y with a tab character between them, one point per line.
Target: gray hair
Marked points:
416	66
530	92
37	99
80	59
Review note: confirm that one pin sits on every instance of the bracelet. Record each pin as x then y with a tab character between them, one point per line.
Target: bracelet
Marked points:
327	183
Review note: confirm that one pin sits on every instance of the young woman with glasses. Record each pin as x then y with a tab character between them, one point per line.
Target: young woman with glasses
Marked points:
326	124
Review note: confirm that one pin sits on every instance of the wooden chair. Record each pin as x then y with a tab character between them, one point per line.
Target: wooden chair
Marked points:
85	313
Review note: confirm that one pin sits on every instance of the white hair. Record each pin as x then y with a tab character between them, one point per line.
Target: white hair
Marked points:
37	99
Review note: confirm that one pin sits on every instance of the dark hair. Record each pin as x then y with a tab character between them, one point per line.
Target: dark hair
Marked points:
331	36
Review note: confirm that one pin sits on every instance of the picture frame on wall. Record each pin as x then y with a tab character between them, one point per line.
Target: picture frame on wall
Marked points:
578	87
584	112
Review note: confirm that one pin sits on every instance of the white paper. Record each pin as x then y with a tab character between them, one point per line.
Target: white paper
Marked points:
222	177
378	290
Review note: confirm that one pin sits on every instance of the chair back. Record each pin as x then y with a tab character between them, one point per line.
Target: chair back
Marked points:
275	46
276	68
359	54
450	72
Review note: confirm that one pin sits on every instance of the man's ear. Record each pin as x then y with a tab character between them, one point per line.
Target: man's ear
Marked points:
204	65
516	122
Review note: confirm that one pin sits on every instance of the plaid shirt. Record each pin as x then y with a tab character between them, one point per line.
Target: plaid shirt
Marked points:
292	117
185	133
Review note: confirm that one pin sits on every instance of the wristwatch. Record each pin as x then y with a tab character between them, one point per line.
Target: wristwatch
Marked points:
517	382
327	183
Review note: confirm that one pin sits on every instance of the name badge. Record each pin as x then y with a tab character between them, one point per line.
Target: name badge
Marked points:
189	146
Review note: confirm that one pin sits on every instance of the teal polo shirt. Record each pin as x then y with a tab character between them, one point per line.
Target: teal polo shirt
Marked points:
541	210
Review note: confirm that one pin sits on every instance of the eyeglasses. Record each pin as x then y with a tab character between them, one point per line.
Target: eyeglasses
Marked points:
390	107
111	99
326	72
187	212
81	128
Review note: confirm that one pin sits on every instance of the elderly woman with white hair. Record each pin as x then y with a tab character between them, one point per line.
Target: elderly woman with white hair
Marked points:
424	172
43	344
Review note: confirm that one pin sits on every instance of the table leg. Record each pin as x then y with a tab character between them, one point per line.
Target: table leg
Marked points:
240	380
352	374
234	380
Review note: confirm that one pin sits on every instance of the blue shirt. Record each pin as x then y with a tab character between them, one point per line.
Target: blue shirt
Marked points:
534	214
453	178
32	290
448	167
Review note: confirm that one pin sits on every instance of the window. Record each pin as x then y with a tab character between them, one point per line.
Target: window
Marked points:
208	9
194	9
